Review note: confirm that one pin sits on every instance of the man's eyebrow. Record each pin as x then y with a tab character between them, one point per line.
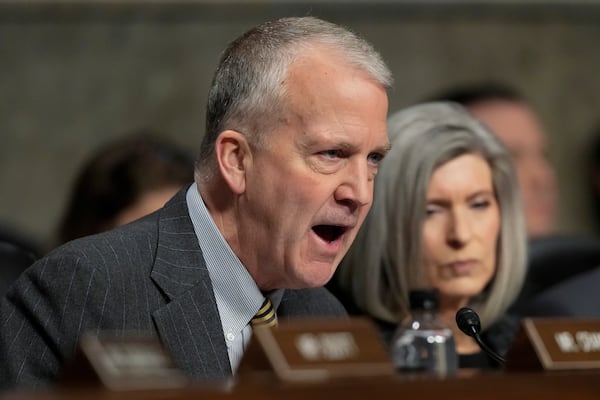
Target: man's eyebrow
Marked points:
385	148
379	149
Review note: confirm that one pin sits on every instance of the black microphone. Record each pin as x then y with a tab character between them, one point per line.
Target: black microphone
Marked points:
468	322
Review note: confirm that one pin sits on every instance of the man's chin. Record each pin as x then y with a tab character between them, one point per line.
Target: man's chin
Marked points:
323	278
314	277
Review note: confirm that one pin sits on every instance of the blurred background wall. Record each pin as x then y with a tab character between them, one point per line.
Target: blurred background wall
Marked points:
76	74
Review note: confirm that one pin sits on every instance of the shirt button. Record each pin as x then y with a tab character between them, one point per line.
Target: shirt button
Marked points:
230	336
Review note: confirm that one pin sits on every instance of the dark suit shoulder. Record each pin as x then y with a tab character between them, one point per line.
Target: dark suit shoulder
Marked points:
318	302
96	283
129	245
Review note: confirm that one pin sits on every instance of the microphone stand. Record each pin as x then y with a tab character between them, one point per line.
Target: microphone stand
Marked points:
498	358
468	322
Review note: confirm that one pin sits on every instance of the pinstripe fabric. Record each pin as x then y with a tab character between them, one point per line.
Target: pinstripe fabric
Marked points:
148	276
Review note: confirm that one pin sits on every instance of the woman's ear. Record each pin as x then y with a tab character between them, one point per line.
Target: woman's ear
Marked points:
232	152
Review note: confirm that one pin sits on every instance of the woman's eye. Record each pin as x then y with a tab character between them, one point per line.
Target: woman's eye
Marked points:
429	211
481	204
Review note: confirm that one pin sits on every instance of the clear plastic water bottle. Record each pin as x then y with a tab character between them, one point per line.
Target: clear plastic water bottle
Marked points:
422	343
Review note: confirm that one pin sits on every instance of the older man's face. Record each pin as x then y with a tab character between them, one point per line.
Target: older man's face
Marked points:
310	190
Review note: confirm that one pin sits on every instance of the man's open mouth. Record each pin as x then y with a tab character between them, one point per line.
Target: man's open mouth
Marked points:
329	233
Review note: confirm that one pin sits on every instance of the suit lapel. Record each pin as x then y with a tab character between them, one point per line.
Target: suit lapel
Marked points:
189	325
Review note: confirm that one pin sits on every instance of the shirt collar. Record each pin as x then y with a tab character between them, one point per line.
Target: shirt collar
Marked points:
237	295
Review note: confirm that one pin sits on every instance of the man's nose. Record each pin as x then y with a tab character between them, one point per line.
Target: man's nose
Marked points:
356	189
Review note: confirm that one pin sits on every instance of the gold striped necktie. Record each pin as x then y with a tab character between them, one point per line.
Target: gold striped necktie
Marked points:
265	315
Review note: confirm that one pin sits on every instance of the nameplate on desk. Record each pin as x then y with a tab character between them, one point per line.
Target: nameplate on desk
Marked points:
123	362
316	350
556	344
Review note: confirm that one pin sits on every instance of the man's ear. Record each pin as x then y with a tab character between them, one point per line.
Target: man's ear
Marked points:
233	152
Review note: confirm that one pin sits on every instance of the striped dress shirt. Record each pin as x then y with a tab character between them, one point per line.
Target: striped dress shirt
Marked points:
238	298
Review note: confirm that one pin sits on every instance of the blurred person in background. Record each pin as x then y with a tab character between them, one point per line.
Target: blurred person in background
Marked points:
507	113
446	215
123	181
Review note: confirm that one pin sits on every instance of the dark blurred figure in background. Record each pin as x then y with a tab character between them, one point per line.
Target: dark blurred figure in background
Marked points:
17	252
564	270
508	114
125	180
594	177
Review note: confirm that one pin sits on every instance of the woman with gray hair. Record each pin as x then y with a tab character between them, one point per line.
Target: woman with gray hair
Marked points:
446	215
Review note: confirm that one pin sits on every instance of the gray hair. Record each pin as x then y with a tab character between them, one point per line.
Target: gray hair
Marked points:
247	94
385	261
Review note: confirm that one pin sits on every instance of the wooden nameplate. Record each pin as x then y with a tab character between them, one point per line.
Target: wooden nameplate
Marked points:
117	362
556	344
305	350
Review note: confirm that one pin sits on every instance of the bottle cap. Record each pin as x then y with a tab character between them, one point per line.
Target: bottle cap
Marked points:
424	299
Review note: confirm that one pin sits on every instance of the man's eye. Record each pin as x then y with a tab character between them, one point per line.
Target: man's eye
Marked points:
331	153
375	158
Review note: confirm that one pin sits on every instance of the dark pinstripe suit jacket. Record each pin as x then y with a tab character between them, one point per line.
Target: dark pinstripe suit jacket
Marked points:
148	276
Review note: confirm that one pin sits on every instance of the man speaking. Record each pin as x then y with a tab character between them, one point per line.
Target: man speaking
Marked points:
295	131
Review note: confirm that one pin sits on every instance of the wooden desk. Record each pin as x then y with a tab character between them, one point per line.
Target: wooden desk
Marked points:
506	386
